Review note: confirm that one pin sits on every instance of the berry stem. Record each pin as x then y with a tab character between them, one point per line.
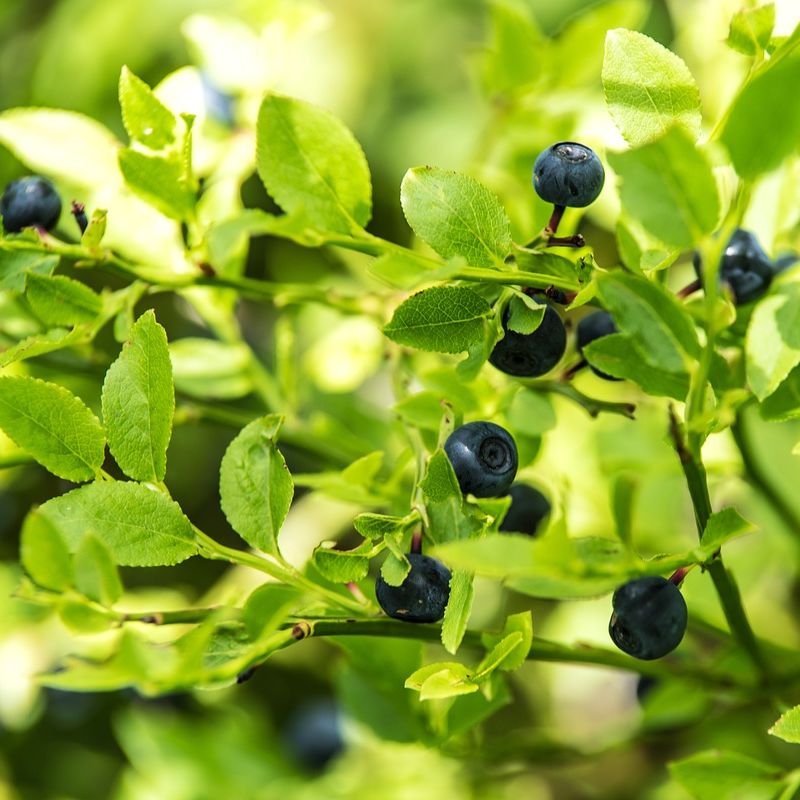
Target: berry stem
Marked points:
566	241
555	221
727	590
570	373
416	542
593	407
691	288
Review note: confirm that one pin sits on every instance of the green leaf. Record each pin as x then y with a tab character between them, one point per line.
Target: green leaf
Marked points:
450	516
440	680
459	606
268	606
648	89
376	526
669	188
525	314
354	484
513	657
772	343
81	618
96	573
58	300
788	726
723	526
716	775
763	124
48	342
205	368
548	265
751	29
504	651
139	401
444	319
139	526
44	554
145	117
255	486
617	355
517	48
532	412
554	566
396	566
659	325
309	160
64	145
53	426
96	229
784	402
159	181
623	493
16	265
456	216
343	566
422	410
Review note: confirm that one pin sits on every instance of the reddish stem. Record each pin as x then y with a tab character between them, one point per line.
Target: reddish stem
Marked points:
575	368
691	288
416	543
555	220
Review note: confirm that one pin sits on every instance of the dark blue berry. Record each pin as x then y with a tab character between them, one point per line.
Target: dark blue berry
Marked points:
30	202
313	734
484	458
568	174
530	355
744	267
649	617
529	507
595	326
422	596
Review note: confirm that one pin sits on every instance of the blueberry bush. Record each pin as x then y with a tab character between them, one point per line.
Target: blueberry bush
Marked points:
282	338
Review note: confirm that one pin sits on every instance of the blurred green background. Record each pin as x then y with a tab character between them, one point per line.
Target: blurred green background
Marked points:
462	84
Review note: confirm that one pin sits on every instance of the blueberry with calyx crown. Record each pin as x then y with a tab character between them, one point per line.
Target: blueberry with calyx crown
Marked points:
30	202
484	458
422	596
593	327
649	617
528	509
568	174
531	355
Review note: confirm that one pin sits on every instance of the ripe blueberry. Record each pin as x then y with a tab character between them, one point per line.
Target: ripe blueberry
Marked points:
422	596
30	202
649	617
484	458
528	509
595	326
568	174
313	733
529	355
744	267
